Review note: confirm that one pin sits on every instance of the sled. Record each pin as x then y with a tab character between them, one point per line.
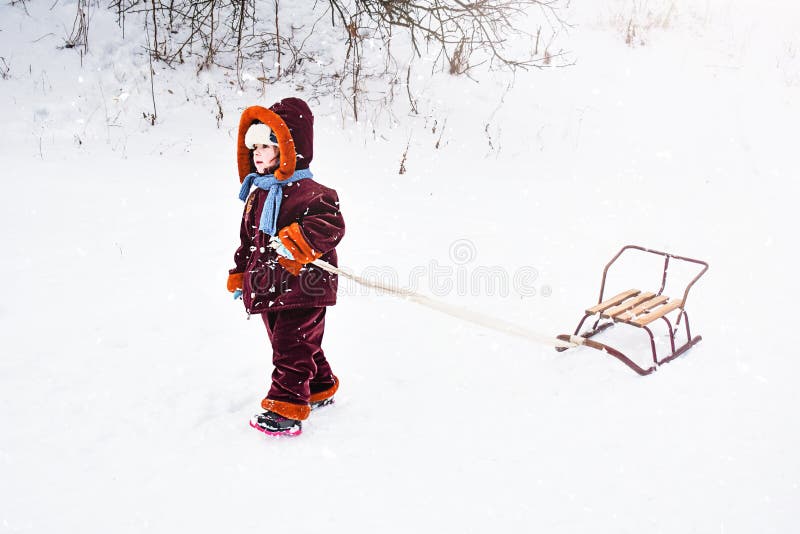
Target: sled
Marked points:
640	309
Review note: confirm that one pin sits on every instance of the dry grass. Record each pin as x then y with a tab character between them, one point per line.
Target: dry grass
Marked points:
639	17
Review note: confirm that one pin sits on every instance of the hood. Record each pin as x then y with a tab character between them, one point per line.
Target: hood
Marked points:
293	124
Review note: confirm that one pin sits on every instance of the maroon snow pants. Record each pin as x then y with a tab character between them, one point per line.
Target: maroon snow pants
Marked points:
300	365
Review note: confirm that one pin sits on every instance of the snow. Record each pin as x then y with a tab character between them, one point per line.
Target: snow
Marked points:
128	375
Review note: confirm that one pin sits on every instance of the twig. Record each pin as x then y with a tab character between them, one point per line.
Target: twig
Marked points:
42	37
278	38
411	100
152	83
405	156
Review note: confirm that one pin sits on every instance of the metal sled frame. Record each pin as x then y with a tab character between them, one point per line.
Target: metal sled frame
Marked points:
639	309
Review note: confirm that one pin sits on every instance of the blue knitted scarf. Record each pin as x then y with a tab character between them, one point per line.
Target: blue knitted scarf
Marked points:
272	206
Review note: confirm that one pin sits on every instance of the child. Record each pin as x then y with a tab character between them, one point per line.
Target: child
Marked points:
289	221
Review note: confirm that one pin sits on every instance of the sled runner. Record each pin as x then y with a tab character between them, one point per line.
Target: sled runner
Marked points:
640	309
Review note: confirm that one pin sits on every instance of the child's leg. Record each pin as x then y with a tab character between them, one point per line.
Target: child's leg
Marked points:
324	379
296	335
324	384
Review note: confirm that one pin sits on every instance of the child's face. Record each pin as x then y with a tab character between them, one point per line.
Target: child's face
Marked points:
265	157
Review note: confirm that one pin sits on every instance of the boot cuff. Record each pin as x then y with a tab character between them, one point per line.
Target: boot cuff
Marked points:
326	394
287	409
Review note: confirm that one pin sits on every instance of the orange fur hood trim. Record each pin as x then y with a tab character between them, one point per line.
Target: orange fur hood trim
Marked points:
288	158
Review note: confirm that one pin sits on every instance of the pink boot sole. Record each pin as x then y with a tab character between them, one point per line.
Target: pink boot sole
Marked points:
289	434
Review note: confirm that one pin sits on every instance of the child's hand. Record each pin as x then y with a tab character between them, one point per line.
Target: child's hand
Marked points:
285	256
292	266
235	283
293	239
276	244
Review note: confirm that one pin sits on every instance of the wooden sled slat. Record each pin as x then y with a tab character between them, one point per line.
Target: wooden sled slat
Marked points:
627	305
613	301
643	307
649	317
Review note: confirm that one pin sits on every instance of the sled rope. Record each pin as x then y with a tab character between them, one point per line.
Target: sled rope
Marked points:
486	321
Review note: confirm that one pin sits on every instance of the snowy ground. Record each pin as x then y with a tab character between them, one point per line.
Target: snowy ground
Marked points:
128	374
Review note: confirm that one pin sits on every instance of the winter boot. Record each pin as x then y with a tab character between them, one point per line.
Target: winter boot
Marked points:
321	403
273	424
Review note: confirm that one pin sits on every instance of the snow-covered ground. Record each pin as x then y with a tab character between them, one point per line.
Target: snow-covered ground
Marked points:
128	375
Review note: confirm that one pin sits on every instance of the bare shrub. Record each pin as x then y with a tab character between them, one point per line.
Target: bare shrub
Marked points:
244	35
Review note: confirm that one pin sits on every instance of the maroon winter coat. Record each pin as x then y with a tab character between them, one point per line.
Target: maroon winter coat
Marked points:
267	286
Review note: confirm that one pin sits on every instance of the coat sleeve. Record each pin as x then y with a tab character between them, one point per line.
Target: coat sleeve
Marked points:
323	224
242	254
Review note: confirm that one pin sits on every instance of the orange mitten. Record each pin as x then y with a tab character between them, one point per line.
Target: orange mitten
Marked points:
292	266
235	281
293	239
